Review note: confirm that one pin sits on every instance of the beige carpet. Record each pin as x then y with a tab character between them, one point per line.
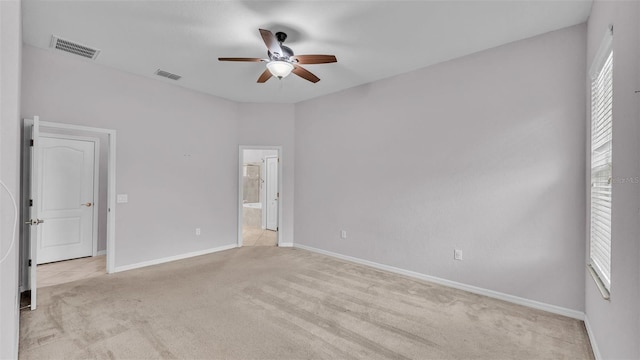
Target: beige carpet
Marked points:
71	270
282	303
252	236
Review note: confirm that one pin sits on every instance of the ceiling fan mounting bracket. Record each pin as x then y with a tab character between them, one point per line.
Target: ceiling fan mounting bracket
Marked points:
281	37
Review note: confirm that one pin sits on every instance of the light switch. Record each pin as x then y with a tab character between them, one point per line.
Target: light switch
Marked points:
122	198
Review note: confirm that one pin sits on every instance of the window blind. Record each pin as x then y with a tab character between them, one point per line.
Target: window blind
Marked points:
601	170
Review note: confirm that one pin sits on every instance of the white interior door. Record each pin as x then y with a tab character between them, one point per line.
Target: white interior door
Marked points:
271	184
34	221
66	198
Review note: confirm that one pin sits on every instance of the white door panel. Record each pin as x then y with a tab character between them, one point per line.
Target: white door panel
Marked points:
62	174
66	193
34	228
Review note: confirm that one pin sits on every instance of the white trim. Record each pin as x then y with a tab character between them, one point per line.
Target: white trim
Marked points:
174	258
286	244
101	252
606	45
456	285
76	127
240	187
592	339
111	208
263	195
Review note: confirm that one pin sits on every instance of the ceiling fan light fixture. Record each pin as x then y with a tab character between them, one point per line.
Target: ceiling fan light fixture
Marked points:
280	69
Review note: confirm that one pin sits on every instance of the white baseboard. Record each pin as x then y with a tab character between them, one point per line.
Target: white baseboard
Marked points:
101	252
592	339
285	244
174	258
473	289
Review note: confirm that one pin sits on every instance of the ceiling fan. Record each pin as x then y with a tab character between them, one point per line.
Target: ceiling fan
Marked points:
282	61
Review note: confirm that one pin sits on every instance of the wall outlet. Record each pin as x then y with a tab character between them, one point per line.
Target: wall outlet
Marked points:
198	231
457	254
343	234
122	198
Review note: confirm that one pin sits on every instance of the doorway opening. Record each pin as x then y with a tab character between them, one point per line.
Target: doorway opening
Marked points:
259	196
68	196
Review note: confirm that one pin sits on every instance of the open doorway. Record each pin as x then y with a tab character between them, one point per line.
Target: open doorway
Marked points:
259	195
68	182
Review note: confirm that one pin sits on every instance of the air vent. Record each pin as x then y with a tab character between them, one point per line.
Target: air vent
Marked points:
167	74
74	48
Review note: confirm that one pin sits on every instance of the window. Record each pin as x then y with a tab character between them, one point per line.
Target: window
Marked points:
601	166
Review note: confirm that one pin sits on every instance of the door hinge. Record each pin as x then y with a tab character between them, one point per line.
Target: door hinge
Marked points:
30	202
29	262
277	229
31	142
278	195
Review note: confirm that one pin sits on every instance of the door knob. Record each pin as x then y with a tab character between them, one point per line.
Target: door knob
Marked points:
86	204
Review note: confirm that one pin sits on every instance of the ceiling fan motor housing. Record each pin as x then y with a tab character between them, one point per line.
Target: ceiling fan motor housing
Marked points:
287	54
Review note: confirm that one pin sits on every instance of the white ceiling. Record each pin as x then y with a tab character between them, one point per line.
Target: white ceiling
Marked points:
371	39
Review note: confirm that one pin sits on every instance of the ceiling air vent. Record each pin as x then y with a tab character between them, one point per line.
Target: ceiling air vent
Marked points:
167	74
74	48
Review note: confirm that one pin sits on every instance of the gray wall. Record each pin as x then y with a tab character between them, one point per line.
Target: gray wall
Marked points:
176	151
10	54
483	153
616	323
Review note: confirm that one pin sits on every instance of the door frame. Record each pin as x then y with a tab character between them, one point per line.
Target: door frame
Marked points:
241	188
111	186
96	179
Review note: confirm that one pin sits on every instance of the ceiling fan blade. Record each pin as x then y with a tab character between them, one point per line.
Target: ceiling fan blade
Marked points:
240	59
315	59
271	42
266	75
305	74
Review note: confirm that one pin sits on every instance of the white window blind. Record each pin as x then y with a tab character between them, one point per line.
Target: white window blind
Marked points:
601	168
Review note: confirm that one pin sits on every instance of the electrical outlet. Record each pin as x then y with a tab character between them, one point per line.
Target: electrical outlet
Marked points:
457	254
343	234
198	231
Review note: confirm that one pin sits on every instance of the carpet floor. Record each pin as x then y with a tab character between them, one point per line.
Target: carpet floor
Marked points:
283	303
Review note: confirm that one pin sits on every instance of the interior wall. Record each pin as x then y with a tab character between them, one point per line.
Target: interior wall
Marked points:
615	323
483	153
273	125
173	151
10	60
